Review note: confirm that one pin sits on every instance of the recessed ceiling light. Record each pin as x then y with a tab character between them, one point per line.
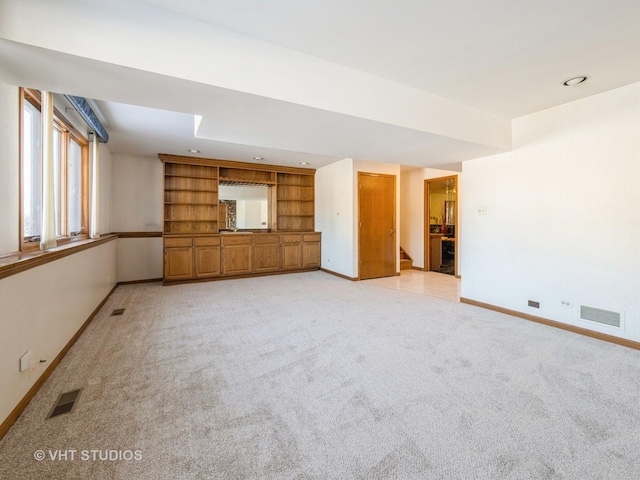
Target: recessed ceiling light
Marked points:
304	163
258	158
575	81
193	150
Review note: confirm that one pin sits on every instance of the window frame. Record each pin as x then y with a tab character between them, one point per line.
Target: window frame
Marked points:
67	132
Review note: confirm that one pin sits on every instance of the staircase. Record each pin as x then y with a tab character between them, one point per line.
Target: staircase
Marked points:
406	262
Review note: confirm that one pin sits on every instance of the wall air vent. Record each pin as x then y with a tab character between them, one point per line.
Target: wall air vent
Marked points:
606	317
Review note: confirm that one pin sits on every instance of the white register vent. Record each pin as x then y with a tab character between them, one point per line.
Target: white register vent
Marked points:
606	317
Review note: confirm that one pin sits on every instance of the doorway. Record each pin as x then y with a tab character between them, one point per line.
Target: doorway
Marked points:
441	224
377	225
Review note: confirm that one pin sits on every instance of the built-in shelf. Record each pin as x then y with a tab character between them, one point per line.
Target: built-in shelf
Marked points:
191	198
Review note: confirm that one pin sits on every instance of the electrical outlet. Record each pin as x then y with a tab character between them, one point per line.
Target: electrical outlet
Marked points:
482	210
566	303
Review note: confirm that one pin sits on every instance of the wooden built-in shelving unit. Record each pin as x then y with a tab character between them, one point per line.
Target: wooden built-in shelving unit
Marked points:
190	198
195	249
295	202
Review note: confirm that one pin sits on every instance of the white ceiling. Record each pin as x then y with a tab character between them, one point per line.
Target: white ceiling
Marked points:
504	56
488	60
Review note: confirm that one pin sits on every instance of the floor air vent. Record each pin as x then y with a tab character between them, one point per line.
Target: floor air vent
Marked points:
117	311
606	317
65	403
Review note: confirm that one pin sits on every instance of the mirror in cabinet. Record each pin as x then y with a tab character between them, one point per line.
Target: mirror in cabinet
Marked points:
244	207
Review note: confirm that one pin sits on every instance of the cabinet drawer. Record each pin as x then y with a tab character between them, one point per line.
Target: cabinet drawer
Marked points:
207	241
291	238
260	239
312	237
177	242
239	240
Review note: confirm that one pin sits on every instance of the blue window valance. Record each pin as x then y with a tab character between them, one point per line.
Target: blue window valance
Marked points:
85	111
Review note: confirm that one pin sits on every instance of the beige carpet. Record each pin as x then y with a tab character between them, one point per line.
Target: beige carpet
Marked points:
308	376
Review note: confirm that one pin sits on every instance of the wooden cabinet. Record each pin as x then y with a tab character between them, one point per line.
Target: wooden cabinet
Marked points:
295	202
239	254
178	259
311	251
435	252
291	252
266	253
236	255
206	256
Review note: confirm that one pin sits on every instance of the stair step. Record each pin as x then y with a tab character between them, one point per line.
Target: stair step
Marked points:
405	264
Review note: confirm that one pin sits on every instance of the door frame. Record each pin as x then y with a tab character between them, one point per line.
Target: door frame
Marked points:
427	223
395	220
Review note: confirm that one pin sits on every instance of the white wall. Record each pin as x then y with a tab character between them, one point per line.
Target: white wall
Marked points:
334	216
137	206
562	218
9	169
43	308
412	214
137	188
139	259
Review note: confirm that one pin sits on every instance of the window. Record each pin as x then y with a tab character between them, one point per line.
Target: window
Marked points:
70	172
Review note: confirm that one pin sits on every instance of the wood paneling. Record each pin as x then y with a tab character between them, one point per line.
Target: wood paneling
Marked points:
377	225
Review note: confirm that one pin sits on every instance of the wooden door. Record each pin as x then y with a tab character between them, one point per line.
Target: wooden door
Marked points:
377	225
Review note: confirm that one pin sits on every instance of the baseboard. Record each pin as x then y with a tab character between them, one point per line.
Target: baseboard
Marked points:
330	272
13	416
420	269
552	323
148	280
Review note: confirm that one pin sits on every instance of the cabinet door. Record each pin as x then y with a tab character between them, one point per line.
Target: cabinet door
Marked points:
311	255
207	261
435	252
236	259
178	263
291	256
266	258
